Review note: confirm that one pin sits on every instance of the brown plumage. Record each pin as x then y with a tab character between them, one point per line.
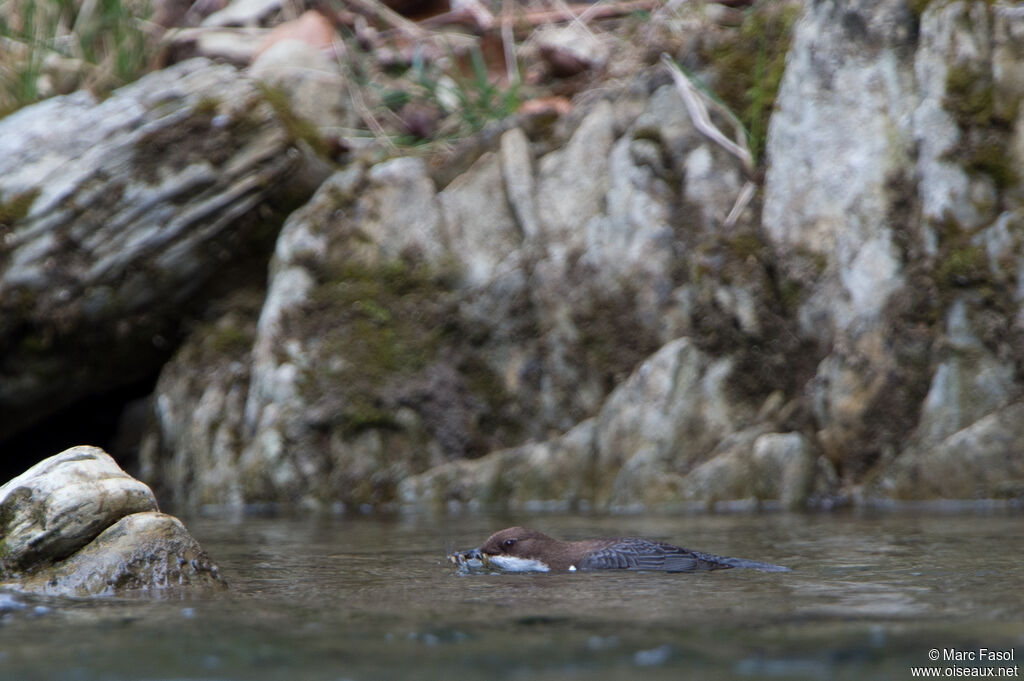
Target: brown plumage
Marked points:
531	550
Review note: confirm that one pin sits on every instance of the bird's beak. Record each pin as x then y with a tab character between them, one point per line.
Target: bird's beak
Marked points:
461	558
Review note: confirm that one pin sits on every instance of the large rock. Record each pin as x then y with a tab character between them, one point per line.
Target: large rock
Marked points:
981	461
140	553
76	524
565	317
410	324
669	434
61	504
902	241
832	222
118	215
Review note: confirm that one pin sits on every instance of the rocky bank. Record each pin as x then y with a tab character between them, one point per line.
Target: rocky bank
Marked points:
561	313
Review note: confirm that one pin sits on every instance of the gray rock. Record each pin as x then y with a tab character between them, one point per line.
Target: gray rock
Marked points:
968	384
756	466
126	209
77	525
572	48
564	318
661	422
243	13
892	233
572	181
508	334
315	87
981	461
140	554
205	435
785	465
59	505
549	475
664	436
487	234
235	46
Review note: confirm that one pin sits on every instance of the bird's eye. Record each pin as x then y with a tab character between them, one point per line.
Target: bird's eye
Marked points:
508	543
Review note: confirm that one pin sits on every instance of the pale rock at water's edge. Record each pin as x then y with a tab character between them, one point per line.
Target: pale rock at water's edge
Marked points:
61	504
76	524
147	552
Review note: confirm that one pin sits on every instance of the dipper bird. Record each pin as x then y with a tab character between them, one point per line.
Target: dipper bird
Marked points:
518	549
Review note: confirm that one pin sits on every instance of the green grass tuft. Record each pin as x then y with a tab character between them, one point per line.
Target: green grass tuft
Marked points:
54	47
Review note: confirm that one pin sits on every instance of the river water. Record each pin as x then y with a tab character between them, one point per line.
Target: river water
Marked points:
369	598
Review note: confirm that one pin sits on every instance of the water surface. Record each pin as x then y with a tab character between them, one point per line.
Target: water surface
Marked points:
370	598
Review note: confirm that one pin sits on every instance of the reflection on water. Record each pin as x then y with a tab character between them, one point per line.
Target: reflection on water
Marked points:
374	598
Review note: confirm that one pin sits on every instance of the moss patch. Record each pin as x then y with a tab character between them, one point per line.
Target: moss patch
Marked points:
177	145
613	340
773	356
962	265
987	154
969	94
16	207
298	127
379	324
985	124
749	64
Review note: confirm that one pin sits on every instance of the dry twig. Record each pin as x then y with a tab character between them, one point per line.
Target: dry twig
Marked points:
533	18
389	17
697	106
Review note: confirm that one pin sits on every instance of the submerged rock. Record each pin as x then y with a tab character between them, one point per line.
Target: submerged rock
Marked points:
76	524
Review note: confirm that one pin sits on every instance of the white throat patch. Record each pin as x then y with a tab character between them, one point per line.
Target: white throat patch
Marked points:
514	564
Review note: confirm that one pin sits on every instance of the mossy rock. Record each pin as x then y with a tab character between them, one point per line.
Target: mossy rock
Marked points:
16	207
299	128
375	325
748	66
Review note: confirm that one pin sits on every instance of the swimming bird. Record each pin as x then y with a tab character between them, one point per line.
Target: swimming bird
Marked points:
517	549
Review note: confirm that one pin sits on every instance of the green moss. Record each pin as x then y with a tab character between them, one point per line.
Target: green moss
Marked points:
17	207
970	95
298	127
386	322
963	265
612	337
228	339
985	122
790	294
746	245
748	67
992	158
208	105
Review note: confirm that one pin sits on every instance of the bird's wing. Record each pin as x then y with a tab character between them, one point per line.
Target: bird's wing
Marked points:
633	553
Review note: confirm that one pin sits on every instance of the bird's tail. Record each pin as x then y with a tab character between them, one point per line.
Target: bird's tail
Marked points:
753	565
742	563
